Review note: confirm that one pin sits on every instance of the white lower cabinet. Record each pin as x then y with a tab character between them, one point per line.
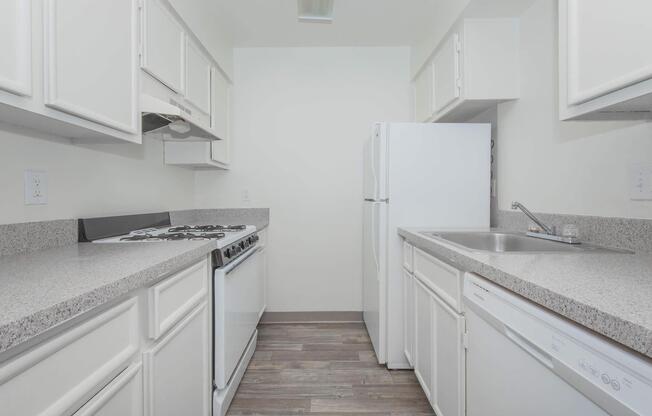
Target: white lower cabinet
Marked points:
448	352
95	367
423	337
123	396
434	334
408	316
177	369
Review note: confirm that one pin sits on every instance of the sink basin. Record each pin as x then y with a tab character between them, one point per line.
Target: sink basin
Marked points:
501	242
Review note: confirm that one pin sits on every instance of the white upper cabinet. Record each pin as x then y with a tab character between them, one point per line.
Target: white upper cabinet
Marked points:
423	94
16	47
91	68
447	80
475	67
605	59
163	45
198	77
220	102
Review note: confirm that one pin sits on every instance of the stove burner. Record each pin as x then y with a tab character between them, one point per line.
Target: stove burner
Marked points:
207	228
137	237
174	237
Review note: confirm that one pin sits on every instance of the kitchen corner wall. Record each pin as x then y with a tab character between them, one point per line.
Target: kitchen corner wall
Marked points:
563	167
301	116
88	180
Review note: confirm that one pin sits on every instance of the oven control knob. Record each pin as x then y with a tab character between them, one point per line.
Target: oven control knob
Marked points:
242	244
227	253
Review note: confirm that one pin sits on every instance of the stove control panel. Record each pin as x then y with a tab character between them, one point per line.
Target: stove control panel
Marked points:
225	255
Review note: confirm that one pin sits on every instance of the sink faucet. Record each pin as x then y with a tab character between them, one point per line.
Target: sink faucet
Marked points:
548	233
544	227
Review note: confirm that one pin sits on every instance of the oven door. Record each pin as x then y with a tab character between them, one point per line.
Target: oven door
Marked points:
237	304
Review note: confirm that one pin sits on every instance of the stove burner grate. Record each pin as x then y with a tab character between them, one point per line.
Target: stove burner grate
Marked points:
207	228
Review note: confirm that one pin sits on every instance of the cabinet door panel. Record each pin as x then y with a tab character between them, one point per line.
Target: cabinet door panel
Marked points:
163	46
220	117
124	396
423	94
92	60
448	360
423	343
176	386
408	316
447	73
198	77
220	102
16	46
608	46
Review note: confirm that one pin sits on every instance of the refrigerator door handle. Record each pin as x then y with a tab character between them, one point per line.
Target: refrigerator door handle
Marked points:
373	237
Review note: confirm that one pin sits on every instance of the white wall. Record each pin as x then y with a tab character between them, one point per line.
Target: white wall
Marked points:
301	117
88	180
563	167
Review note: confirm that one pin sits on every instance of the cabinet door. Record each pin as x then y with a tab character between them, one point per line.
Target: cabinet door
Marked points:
423	342
262	281
447	82
16	46
123	396
608	46
423	96
198	77
408	316
220	117
180	386
220	102
163	45
91	67
448	360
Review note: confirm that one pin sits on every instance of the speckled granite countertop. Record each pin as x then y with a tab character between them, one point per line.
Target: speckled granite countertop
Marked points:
608	293
43	289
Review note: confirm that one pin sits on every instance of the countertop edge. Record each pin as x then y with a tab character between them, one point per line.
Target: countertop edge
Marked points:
639	338
24	329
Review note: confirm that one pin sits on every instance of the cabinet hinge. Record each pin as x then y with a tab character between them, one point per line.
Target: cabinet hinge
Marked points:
465	340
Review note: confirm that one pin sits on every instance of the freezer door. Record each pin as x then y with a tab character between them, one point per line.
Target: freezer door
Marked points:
373	275
375	151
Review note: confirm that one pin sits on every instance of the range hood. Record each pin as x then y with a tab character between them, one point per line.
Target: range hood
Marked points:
171	118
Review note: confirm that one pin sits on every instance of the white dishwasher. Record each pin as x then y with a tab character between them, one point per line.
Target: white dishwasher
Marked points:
525	360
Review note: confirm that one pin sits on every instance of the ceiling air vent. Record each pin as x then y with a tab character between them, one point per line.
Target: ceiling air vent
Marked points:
316	11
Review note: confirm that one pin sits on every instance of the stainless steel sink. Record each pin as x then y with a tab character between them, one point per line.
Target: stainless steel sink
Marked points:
501	242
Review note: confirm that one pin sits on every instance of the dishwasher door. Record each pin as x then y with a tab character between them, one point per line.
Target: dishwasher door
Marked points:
524	360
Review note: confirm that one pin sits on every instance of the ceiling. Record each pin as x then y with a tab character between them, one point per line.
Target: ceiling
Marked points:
273	23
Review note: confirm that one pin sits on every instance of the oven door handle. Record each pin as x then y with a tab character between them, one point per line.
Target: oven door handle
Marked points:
231	267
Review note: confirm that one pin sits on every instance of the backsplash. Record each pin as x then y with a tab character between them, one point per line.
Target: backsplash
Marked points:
32	236
28	237
628	233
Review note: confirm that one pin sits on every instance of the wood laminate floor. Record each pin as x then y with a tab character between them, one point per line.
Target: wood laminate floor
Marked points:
323	369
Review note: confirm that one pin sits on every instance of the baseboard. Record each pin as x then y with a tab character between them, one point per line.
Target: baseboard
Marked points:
311	317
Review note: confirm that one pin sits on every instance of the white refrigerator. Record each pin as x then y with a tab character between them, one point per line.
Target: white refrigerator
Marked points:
415	175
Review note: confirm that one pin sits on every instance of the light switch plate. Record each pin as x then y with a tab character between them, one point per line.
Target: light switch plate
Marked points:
640	182
36	187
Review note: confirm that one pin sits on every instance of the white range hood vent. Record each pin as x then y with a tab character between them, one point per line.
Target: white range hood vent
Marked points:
171	118
315	11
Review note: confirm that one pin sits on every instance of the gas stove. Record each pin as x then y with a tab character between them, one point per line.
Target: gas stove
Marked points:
231	241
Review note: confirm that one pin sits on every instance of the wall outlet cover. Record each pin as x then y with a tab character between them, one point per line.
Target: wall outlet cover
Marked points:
36	187
640	182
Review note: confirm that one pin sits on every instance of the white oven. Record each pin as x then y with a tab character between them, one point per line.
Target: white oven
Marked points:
238	303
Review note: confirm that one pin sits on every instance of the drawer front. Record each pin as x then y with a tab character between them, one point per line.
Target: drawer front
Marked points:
124	396
446	281
408	256
60	375
175	297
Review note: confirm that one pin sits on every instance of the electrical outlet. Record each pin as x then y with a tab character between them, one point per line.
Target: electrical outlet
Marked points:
640	182
245	196
36	187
